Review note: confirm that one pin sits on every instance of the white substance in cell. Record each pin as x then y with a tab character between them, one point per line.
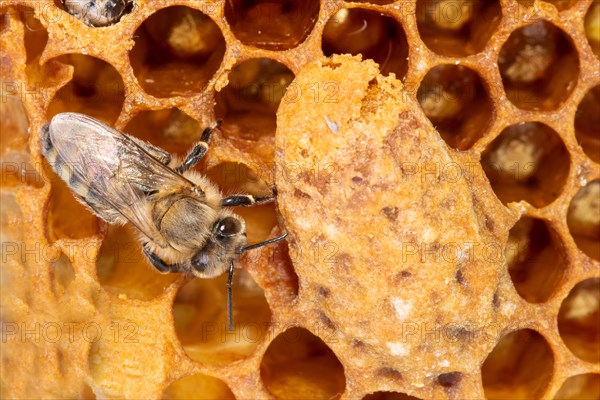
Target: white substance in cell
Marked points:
402	308
397	349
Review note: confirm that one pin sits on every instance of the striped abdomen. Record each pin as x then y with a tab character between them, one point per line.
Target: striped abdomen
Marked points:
78	186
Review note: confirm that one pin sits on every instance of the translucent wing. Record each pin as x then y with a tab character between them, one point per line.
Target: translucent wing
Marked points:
115	169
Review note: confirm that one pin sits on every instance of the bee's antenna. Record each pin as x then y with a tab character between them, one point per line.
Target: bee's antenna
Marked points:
230	298
266	242
230	278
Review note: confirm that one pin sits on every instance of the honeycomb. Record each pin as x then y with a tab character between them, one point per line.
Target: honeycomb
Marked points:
478	126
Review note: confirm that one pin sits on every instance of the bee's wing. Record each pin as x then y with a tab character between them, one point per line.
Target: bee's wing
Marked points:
115	169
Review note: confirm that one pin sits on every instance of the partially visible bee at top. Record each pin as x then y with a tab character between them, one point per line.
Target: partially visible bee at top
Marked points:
184	223
98	12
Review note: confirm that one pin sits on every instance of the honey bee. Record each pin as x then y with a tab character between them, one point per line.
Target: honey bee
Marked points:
98	12
183	220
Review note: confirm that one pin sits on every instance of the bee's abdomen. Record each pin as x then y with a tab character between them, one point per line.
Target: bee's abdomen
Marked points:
66	172
47	148
81	189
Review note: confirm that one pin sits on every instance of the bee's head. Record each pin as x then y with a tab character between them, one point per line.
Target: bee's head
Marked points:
97	12
113	8
227	239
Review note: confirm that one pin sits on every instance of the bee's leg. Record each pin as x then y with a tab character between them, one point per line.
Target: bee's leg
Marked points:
159	264
199	149
245	200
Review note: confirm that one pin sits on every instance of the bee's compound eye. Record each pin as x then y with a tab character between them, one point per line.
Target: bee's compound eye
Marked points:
228	226
114	7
